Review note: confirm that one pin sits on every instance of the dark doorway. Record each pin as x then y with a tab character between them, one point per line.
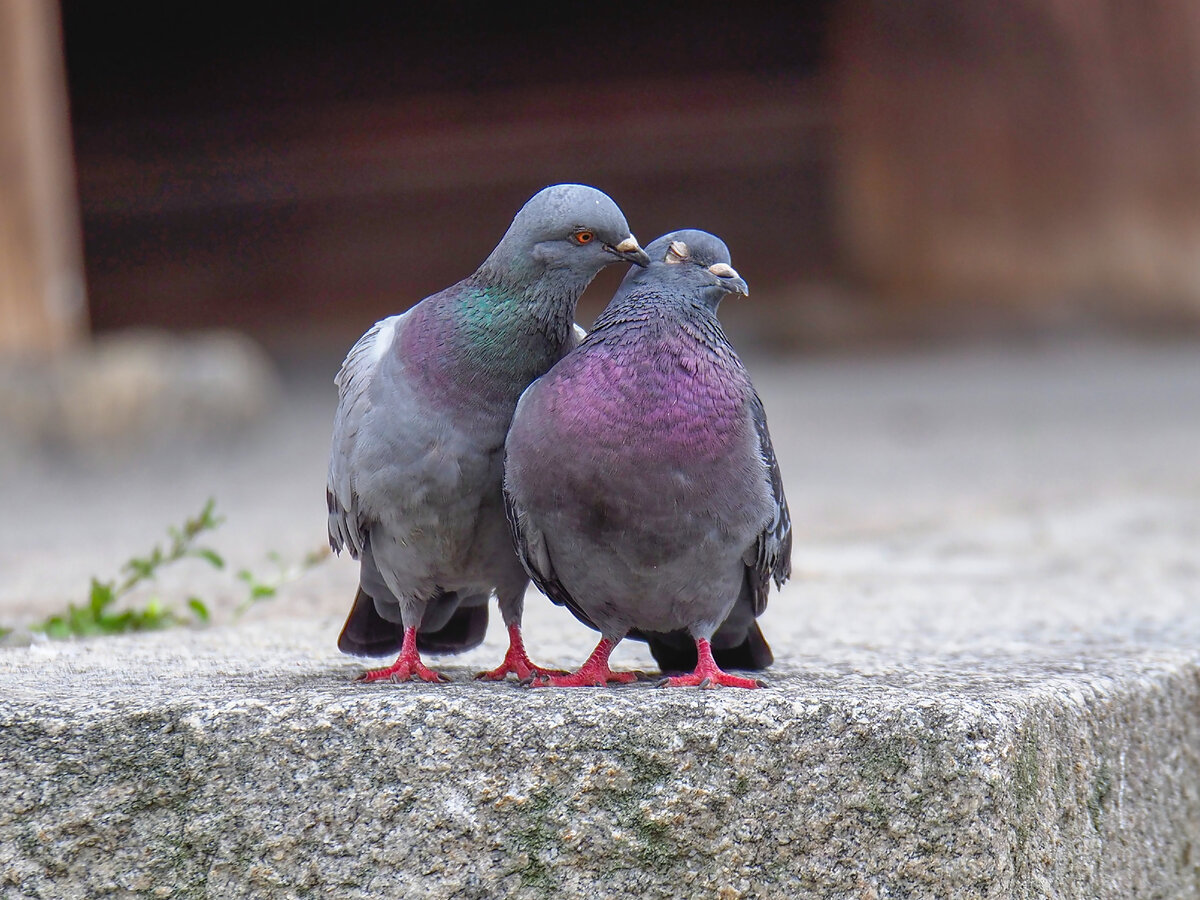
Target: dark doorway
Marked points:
299	176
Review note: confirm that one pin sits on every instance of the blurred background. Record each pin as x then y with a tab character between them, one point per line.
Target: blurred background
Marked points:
897	180
881	171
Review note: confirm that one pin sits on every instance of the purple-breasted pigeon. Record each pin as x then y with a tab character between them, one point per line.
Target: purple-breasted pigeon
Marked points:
640	481
424	403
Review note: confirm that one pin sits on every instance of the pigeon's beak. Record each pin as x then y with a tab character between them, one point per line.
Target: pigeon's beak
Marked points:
629	250
730	279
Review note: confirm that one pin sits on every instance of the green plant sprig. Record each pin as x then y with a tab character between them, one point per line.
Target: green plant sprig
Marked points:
259	589
97	616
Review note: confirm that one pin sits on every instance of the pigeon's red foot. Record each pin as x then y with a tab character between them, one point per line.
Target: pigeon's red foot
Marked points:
517	661
710	680
407	665
708	674
588	676
593	673
402	670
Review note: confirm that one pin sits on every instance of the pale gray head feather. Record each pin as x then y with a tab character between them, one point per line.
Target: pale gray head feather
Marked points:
540	236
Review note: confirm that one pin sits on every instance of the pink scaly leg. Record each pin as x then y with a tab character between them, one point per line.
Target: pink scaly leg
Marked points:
593	673
708	674
516	660
407	664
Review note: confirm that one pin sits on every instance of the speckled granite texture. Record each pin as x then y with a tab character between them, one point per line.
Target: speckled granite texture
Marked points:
248	765
988	681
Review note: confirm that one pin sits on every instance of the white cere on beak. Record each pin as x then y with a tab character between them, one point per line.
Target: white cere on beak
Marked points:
721	270
678	252
628	245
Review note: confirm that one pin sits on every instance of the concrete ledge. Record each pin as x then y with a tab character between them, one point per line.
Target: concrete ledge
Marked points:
244	763
989	678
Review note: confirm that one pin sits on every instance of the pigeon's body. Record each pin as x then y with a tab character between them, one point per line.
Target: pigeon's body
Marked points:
427	459
660	488
425	400
640	477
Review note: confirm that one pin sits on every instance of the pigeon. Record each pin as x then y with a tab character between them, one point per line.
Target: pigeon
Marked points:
424	403
640	481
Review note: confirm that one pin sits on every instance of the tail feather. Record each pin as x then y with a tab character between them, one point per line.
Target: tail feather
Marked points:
753	653
466	629
673	652
366	633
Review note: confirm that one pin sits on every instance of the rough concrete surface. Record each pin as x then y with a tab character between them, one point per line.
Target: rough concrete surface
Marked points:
988	681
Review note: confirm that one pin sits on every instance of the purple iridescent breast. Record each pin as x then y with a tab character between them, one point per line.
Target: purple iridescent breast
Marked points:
667	397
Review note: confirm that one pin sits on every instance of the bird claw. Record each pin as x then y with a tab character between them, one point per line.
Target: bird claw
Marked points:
407	665
585	679
710	680
523	671
708	674
593	673
516	661
403	672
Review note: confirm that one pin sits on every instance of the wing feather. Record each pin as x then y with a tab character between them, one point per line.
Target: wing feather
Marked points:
770	558
347	527
530	544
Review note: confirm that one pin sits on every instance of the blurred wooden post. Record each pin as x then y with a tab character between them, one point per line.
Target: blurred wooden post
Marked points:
1025	152
42	304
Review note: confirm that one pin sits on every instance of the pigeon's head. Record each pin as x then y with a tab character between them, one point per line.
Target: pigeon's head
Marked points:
570	229
695	261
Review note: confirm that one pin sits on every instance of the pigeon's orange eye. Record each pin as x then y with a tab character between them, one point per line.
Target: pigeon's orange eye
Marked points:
583	237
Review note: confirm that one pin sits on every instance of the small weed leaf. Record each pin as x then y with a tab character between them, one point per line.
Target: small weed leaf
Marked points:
98	617
212	556
199	610
101	596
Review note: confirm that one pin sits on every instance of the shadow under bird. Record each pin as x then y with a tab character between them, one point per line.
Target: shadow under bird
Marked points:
424	403
641	484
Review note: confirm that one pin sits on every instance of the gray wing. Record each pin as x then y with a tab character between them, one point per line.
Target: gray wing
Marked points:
347	527
770	557
530	544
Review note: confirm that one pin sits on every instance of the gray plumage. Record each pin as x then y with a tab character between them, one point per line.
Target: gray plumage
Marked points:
641	483
424	403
